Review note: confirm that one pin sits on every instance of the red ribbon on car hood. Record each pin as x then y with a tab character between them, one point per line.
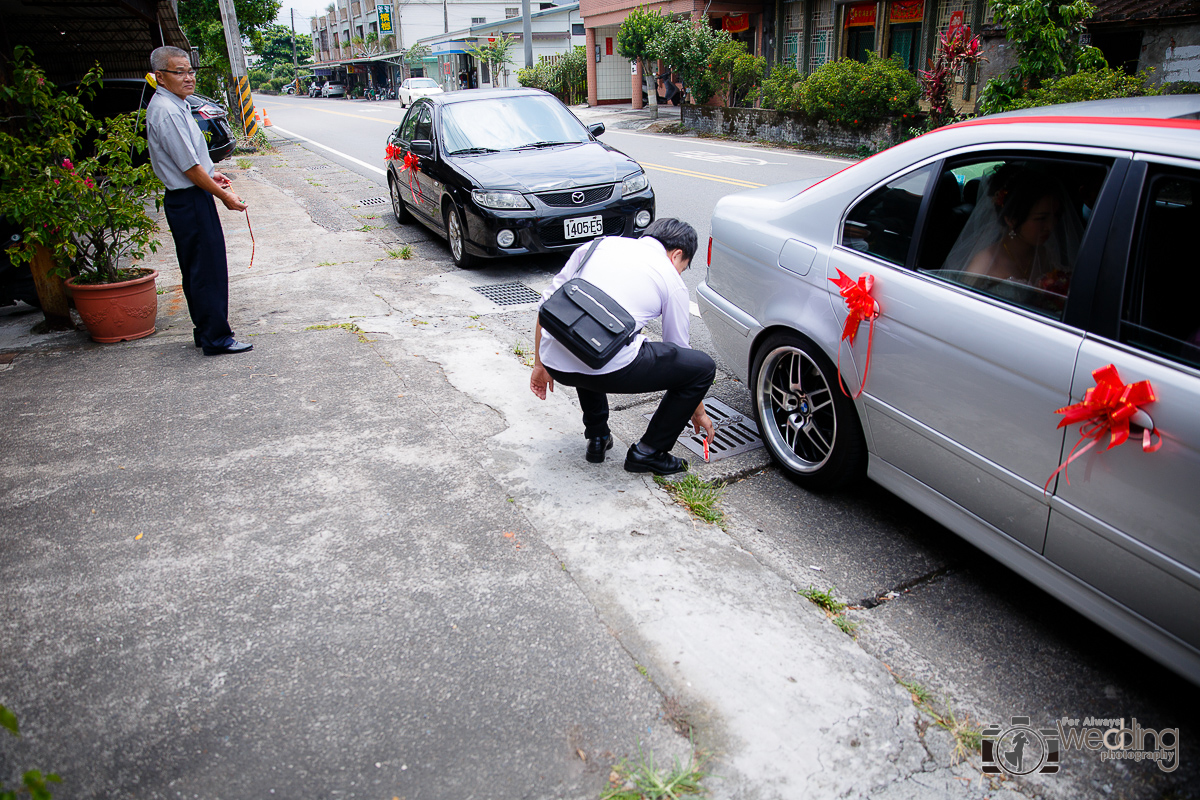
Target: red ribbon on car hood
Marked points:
1106	410
860	307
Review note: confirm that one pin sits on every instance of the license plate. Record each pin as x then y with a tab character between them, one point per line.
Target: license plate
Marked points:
580	227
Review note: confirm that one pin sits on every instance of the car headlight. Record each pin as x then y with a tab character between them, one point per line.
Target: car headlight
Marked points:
634	184
501	200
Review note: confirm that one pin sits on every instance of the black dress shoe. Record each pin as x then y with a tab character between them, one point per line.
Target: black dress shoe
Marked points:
597	447
660	463
232	347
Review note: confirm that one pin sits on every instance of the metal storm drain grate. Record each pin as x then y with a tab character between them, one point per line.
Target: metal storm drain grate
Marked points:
734	433
508	294
319	166
373	201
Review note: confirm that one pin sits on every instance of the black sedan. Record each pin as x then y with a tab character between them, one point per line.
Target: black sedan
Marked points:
507	172
122	95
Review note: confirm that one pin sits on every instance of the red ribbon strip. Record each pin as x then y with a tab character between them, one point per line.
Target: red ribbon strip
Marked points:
860	307
1106	410
410	163
252	244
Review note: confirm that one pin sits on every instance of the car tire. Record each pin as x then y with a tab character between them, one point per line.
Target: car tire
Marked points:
403	215
456	236
810	427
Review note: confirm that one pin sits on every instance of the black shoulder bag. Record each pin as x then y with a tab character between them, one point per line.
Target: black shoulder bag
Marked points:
589	323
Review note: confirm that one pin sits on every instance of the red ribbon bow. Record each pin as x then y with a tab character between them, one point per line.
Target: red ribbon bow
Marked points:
860	307
411	161
1106	410
392	152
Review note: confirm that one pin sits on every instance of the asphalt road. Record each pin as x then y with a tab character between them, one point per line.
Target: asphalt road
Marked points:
985	644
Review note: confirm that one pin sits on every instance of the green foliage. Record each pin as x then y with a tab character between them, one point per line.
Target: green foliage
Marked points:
201	21
495	54
689	47
738	72
565	77
647	781
1045	35
1094	84
33	782
781	88
1182	87
637	32
415	55
257	78
68	180
273	46
853	94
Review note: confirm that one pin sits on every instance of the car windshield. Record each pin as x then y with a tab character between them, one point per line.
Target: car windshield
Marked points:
421	83
507	123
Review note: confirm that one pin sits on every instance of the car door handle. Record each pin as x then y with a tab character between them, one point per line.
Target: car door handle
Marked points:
1140	421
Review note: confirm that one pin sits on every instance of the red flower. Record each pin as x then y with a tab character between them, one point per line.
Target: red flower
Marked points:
68	165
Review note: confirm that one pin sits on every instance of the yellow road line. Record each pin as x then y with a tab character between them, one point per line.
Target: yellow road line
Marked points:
703	175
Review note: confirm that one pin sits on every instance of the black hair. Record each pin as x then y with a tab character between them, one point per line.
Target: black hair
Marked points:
673	234
1022	188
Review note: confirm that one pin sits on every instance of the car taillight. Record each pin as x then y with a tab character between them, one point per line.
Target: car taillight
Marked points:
710	251
209	112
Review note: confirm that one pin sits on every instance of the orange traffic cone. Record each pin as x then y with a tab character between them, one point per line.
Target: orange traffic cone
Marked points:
256	119
266	119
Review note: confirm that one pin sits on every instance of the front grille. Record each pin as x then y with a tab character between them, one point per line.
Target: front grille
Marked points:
564	199
552	234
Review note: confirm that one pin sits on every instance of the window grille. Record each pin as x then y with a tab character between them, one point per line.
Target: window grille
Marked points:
509	13
478	20
821	40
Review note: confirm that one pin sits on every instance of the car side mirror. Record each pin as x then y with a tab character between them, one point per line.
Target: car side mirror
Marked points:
422	147
596	129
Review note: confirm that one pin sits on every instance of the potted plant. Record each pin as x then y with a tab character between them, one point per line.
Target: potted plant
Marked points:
73	185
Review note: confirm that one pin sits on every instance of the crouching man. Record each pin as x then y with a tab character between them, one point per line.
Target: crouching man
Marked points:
645	276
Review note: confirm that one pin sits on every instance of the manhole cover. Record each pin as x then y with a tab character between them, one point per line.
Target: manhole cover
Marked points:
373	201
508	294
735	433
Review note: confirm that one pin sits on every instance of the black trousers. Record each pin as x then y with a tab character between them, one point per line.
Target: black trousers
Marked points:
200	245
685	374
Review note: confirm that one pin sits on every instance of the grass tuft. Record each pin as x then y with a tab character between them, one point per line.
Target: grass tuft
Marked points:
522	351
645	781
403	253
968	737
244	163
834	609
346	326
701	497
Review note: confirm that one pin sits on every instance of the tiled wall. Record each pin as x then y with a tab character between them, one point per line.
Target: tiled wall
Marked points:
612	73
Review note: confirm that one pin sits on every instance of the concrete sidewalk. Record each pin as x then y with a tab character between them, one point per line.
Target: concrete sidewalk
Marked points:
364	561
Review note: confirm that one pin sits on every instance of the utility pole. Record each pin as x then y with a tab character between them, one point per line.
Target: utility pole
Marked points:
237	65
295	62
527	33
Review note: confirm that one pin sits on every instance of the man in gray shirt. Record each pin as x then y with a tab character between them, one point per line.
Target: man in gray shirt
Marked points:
179	156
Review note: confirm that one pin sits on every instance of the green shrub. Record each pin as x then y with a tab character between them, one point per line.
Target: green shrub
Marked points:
1181	87
276	84
565	78
1095	84
853	94
781	88
257	78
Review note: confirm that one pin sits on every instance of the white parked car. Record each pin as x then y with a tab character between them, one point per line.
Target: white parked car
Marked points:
414	88
333	90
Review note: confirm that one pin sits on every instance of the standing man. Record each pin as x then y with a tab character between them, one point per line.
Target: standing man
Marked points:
179	156
645	276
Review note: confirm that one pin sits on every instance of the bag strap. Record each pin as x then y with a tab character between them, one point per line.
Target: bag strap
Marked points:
591	249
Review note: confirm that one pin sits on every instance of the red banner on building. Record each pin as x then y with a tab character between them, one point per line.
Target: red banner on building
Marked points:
861	14
906	11
735	23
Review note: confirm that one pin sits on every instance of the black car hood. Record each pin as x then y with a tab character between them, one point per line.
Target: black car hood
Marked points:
547	169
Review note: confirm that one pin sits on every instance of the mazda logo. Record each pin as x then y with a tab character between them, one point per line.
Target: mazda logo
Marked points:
576	197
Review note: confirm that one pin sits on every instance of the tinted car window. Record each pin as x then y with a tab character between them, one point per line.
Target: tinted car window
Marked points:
405	131
1010	226
507	123
424	126
1161	314
883	222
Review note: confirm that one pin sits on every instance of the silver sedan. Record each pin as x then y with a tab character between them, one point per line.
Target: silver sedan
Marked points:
998	322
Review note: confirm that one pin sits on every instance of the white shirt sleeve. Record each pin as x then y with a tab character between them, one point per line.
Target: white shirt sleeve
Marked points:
676	317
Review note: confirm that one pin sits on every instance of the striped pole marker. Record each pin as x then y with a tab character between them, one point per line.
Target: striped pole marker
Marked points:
249	123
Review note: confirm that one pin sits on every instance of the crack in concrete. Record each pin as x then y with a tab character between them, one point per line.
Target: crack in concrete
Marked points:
899	588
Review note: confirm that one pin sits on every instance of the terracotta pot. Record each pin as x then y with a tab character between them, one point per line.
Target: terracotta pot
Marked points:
117	312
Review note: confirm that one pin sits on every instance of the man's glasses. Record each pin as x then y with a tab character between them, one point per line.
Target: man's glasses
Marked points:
187	73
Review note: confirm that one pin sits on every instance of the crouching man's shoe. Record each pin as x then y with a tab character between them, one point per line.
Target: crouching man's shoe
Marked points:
597	447
232	347
660	463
